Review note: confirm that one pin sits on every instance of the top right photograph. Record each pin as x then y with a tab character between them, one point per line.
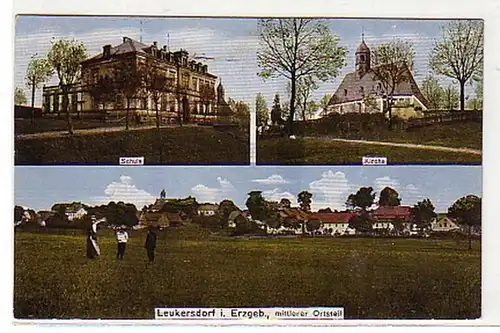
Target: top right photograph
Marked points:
369	91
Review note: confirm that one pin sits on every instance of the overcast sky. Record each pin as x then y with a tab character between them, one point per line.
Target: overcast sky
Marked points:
41	187
232	42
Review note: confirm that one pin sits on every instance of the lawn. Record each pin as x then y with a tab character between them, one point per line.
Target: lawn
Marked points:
25	126
371	278
467	134
178	145
283	151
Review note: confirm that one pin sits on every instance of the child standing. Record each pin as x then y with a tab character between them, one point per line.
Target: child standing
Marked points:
121	238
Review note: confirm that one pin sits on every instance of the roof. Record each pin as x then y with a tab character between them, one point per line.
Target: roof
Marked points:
295	213
127	46
159	204
208	206
234	214
384	213
333	217
174	219
363	47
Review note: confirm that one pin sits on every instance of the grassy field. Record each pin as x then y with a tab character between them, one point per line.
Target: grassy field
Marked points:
318	151
371	278
25	126
179	145
467	134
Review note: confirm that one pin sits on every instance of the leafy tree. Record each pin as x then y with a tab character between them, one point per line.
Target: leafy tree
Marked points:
476	103
313	225
20	96
389	197
296	48
226	207
103	90
128	79
285	203
38	72
256	205
323	103
276	113
362	223
65	57
450	98
392	65
459	52
305	87
241	113
272	218
363	198
467	210
422	213
432	91
18	213
304	199
261	111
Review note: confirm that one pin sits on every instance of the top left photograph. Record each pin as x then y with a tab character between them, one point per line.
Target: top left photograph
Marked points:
131	91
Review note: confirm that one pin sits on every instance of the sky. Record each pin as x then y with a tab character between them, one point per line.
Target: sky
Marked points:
40	187
233	43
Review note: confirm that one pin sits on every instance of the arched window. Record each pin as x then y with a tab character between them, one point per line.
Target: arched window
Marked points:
362	57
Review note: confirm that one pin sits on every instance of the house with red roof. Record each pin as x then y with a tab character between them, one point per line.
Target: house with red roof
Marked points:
334	223
385	217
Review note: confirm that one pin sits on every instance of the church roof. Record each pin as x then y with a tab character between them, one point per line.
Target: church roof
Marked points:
363	47
356	85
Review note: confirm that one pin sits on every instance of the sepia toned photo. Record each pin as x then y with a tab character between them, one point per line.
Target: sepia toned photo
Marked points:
401	242
338	91
129	90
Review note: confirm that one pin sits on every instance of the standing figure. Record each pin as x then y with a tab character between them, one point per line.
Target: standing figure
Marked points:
150	244
92	247
121	238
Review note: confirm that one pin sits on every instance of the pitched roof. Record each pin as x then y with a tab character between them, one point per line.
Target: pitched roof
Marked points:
363	47
356	86
384	213
159	204
127	46
295	213
333	217
208	206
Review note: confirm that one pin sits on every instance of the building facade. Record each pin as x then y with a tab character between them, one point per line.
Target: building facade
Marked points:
179	88
352	93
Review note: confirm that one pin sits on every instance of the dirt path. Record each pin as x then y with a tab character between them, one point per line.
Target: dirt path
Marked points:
90	131
404	145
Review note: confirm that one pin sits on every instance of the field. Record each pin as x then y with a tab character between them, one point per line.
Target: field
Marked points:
25	126
467	134
371	278
318	151
178	145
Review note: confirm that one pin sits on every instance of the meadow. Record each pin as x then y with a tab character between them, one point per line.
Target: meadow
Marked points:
307	151
178	145
371	278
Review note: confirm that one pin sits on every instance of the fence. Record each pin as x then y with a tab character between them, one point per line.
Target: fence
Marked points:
22	111
435	117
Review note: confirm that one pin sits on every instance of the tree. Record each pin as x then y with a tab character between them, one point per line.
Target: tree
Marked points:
304	199
432	91
276	114
363	198
450	99
261	111
313	225
362	223
305	87
256	205
285	203
38	72
323	103
128	79
389	197
20	96
65	57
241	113
370	102
422	214
295	48
467	210
476	103
459	52
103	90
272	217
226	207
391	65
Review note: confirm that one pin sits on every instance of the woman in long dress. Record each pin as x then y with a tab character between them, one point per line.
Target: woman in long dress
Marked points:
92	247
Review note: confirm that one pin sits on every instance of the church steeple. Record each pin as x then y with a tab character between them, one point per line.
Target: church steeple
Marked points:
362	57
220	93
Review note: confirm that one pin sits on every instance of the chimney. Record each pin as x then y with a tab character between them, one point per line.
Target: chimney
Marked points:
164	48
106	51
155	44
126	39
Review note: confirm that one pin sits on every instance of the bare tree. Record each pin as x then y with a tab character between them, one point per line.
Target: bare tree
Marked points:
391	65
295	48
432	91
459	53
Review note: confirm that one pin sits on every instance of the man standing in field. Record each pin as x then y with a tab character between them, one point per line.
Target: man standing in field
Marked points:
150	244
121	238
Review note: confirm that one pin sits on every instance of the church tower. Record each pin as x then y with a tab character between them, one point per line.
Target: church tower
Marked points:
362	58
220	94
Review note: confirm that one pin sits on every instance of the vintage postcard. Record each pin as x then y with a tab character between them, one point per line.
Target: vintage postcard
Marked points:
370	91
129	91
247	245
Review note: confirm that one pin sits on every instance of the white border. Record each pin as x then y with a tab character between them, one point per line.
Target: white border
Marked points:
486	9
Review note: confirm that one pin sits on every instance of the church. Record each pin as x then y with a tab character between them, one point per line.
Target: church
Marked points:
191	94
352	91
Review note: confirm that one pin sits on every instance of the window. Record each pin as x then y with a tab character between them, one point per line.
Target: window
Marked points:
345	92
362	57
361	90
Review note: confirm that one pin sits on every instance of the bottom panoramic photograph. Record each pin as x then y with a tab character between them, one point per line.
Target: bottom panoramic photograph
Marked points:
401	242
